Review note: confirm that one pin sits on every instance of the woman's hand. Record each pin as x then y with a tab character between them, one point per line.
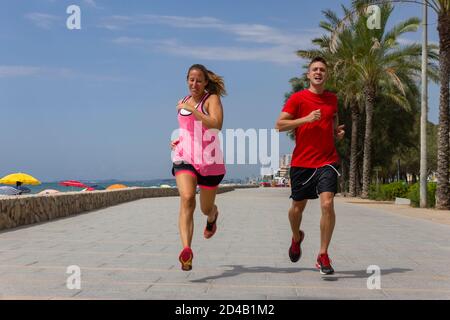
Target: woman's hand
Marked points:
185	106
174	143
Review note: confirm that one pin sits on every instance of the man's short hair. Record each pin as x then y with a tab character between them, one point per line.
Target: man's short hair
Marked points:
318	59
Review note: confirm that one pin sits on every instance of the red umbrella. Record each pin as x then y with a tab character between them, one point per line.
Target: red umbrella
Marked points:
73	183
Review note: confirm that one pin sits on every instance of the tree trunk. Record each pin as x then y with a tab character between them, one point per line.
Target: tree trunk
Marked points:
358	181
367	162
343	179
354	151
442	191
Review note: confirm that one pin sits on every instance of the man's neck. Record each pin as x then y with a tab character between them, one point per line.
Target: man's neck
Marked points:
316	89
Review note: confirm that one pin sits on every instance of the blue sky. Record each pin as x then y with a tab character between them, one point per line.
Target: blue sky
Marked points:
99	103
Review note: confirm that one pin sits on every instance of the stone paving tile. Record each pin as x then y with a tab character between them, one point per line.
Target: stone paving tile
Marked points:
130	251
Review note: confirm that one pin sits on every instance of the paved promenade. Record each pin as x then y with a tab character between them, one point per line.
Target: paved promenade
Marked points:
130	251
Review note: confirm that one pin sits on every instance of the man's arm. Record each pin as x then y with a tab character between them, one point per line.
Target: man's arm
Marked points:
287	122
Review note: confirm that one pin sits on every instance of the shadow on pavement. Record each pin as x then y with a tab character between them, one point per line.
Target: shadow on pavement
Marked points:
239	269
360	274
352	274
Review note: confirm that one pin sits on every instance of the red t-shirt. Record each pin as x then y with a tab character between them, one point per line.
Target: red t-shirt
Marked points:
314	141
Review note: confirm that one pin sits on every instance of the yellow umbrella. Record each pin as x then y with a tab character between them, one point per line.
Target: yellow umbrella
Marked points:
23	178
116	186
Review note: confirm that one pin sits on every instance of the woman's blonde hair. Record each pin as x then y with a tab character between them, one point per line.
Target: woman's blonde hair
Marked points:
215	85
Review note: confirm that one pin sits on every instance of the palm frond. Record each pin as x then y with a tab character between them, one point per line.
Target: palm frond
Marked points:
396	80
409	25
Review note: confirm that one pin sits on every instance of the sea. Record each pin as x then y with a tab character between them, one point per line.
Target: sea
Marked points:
103	184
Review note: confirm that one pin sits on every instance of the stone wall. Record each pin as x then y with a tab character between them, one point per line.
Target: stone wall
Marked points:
28	209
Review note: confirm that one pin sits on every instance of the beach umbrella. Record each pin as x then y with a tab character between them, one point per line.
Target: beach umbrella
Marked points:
9	191
19	178
116	186
23	189
88	189
97	186
73	183
49	191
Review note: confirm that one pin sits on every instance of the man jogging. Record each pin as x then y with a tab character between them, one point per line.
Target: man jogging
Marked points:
313	114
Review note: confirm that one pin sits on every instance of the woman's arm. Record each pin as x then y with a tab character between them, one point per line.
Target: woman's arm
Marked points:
214	118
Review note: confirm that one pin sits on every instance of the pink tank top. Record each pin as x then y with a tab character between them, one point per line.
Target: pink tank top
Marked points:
198	145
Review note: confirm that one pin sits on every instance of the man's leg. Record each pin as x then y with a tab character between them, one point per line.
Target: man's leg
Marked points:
327	220
295	217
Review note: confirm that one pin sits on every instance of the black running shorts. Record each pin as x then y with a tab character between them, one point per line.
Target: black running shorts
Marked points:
206	182
308	183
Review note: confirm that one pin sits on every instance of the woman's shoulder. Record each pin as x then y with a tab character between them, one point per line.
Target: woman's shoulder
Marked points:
185	98
212	97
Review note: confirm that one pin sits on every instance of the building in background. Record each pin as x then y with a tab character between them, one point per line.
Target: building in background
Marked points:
277	177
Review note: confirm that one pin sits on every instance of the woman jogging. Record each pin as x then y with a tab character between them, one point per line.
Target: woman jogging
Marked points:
197	157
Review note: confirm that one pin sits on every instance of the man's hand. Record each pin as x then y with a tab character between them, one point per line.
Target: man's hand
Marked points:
340	132
313	116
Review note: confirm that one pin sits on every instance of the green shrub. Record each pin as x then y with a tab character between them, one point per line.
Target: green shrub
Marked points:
388	192
392	190
414	194
374	194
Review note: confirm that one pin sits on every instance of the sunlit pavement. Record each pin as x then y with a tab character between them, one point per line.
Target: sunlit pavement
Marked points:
130	251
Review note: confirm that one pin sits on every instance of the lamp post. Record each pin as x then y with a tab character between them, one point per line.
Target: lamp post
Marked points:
424	111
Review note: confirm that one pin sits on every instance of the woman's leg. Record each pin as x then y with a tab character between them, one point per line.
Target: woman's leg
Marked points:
209	209
187	184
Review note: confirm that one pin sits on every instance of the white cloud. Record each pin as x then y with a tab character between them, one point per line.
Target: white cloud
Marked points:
408	42
14	71
277	54
274	54
18	71
117	22
43	20
92	3
404	41
29	71
256	42
130	41
255	33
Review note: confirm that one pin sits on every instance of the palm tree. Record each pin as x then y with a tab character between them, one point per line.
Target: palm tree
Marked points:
346	83
341	79
369	63
442	8
383	63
